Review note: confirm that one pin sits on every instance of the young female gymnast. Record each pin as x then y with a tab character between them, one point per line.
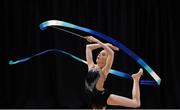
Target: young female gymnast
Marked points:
97	74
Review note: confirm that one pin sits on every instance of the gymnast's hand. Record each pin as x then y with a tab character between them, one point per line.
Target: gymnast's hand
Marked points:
91	39
112	47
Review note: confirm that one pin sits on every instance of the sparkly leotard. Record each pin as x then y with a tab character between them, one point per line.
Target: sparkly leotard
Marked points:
99	98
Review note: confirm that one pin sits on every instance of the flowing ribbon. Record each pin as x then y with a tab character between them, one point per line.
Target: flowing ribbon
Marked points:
112	71
129	52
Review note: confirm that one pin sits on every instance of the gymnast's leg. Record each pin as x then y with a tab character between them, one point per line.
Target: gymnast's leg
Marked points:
126	102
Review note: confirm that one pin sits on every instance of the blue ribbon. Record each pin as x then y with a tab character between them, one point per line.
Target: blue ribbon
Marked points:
45	24
112	71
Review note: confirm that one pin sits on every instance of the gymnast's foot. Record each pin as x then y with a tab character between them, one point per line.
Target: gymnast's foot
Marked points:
138	75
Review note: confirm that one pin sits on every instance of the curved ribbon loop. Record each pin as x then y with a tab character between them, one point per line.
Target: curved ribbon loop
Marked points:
112	71
139	60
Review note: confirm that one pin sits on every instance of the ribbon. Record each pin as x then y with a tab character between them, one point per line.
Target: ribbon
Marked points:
112	71
118	44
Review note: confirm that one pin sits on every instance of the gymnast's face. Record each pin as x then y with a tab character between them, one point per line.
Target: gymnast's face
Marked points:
101	58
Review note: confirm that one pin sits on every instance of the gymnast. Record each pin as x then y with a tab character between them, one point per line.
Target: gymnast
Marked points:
97	74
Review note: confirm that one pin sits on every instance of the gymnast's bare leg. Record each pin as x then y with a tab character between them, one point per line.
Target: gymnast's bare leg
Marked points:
135	102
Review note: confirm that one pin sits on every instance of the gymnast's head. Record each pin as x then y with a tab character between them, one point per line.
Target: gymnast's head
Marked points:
103	55
101	58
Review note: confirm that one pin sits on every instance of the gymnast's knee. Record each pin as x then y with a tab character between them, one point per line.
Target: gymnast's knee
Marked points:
136	105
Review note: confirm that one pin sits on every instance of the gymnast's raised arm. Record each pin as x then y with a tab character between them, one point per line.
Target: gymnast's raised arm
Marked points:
107	47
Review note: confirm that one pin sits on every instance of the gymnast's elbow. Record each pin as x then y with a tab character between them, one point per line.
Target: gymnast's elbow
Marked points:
89	46
110	52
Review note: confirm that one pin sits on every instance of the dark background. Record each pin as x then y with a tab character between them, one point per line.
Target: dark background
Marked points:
148	27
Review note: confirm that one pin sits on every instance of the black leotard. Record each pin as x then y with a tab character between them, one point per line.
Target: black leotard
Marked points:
91	79
98	98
